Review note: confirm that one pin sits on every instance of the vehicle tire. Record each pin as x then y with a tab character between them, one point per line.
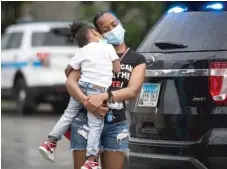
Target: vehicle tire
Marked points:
24	104
59	107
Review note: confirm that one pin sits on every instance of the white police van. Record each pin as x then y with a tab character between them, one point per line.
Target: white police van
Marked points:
33	59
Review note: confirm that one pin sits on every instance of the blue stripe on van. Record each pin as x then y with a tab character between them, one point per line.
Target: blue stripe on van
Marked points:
16	65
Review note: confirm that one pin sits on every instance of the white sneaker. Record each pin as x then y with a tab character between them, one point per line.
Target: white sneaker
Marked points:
90	165
47	150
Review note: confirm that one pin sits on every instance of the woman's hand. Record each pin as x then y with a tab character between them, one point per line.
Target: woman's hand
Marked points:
95	101
101	111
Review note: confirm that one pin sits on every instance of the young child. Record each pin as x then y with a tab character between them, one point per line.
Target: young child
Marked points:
97	61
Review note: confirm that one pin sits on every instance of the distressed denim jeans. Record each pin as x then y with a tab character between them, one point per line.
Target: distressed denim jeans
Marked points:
114	137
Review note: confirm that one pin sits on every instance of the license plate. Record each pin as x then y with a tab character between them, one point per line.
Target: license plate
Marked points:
149	95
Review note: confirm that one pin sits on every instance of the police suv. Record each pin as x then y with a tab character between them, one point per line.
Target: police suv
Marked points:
33	58
179	119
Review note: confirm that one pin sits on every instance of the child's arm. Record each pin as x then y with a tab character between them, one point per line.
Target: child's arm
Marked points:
72	73
116	66
115	60
73	88
68	70
74	63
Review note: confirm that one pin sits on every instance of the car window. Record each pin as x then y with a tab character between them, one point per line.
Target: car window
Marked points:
55	37
6	40
199	31
15	40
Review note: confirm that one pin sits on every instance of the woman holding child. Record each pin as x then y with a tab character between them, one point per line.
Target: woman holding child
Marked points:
125	86
100	104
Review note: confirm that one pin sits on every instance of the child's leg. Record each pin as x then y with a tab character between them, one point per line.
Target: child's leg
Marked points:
95	129
47	149
66	119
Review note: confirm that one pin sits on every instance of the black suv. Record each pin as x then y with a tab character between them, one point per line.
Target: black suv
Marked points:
179	119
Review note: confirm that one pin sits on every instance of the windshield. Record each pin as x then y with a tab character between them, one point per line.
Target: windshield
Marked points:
55	37
199	31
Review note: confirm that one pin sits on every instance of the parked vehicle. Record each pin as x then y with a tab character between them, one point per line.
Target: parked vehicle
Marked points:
179	119
33	59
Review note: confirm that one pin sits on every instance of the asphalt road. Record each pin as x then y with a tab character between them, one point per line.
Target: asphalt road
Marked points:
21	137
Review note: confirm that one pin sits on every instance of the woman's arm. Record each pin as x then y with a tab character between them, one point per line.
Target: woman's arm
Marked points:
73	88
75	91
134	85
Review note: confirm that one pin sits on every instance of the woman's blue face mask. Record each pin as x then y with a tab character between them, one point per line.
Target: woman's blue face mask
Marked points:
115	36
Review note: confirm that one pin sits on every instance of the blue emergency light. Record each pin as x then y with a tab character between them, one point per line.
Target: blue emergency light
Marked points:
177	9
215	6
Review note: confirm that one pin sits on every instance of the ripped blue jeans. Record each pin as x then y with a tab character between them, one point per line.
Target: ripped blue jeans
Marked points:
114	136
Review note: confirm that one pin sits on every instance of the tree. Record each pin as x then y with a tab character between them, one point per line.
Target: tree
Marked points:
10	12
137	18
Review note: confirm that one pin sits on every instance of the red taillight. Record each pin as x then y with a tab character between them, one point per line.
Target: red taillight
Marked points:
44	58
218	82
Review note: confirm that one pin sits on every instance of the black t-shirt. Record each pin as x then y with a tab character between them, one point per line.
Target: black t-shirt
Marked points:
120	80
